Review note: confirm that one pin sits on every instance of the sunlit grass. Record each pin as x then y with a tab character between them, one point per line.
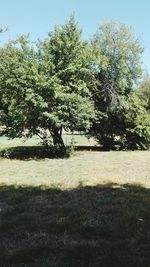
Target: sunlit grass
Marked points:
88	168
78	139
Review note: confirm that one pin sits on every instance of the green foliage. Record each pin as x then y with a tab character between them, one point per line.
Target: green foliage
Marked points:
127	126
63	58
118	67
135	124
68	84
48	90
143	91
19	101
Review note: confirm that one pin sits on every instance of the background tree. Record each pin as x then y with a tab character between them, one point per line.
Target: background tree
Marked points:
143	91
117	69
133	123
3	29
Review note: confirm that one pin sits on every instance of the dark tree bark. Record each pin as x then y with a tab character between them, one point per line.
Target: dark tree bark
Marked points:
56	134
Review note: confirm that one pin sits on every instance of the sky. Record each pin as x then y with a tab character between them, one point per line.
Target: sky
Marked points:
38	17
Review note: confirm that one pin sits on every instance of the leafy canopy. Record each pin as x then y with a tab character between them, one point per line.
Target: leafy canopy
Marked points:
65	83
117	70
47	89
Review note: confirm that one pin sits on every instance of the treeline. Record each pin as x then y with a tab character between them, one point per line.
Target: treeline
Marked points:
66	83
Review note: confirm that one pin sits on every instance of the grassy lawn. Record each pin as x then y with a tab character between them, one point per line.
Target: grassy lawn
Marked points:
88	226
86	168
34	141
78	212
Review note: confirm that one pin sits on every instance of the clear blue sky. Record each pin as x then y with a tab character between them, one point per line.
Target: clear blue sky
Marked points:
37	17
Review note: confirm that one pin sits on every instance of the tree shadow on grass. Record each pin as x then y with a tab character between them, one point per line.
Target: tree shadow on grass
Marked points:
30	152
89	226
89	148
40	152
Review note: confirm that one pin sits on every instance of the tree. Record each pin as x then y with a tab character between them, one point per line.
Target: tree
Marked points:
143	91
47	90
133	123
19	102
118	67
3	29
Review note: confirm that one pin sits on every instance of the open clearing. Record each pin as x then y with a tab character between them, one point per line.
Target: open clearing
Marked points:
75	212
86	168
83	168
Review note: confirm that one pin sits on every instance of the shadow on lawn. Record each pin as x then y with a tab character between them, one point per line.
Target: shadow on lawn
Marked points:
36	152
39	152
107	226
89	148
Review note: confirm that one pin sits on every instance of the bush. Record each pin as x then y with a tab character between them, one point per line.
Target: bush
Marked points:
137	138
136	124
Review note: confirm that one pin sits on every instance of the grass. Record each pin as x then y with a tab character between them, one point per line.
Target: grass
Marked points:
34	141
88	168
88	226
90	210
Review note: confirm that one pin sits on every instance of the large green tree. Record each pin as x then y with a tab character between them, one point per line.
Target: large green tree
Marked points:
117	68
46	90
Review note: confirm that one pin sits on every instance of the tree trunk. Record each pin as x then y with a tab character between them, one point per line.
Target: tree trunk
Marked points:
57	137
107	142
